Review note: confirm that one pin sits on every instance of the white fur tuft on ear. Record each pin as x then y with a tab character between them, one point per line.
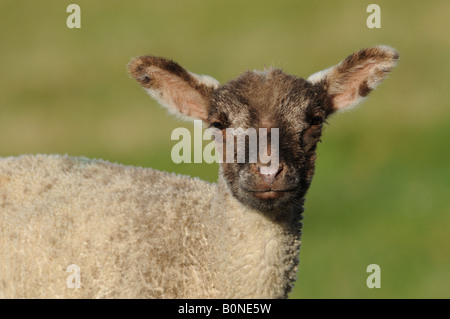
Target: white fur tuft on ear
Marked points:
206	80
318	76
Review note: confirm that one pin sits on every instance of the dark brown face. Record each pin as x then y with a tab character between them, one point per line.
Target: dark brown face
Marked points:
292	107
271	99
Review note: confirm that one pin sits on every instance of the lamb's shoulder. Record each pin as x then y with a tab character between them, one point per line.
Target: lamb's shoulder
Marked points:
53	179
117	223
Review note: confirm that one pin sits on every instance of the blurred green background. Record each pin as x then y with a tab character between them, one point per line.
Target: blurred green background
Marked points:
381	190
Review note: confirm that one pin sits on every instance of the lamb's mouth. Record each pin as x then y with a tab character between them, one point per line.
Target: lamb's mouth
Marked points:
269	193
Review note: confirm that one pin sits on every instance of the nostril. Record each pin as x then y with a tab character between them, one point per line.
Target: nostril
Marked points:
280	169
270	173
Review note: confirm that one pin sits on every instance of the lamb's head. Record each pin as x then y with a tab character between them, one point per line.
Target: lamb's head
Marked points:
283	114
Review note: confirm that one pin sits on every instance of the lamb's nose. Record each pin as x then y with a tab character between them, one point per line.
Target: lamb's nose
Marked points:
269	173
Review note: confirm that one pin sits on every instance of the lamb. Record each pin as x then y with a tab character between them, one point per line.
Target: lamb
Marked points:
140	233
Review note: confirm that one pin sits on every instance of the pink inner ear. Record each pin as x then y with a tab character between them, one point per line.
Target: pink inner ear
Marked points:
346	98
191	109
178	95
347	90
187	101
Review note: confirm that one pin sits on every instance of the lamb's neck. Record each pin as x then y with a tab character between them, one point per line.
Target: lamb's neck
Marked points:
258	255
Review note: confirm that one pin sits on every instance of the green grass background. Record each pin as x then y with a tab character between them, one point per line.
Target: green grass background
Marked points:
381	191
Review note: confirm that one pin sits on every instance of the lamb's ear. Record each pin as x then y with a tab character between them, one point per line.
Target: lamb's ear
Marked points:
349	82
180	91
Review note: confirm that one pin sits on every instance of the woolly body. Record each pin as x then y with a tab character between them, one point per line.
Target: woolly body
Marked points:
134	233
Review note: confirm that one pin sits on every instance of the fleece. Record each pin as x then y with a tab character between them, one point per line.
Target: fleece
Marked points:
135	233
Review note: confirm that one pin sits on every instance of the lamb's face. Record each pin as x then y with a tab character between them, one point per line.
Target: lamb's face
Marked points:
270	100
291	107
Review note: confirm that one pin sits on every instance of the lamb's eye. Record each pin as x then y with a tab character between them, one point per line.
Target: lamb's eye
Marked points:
317	120
217	125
